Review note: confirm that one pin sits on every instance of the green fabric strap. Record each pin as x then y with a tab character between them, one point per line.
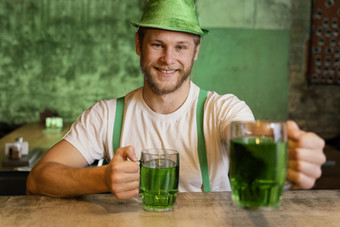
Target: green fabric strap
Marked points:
117	130
201	147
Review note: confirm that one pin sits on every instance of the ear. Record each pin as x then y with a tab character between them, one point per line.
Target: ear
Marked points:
197	50
137	44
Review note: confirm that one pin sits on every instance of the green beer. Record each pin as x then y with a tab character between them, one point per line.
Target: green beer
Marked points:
258	167
159	184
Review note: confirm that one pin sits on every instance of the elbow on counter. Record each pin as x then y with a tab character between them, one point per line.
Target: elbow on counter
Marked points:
32	183
29	186
35	183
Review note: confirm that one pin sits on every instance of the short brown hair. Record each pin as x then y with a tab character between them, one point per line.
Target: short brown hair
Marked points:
141	33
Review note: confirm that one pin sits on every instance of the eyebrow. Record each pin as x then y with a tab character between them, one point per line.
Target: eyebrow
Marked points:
185	42
179	42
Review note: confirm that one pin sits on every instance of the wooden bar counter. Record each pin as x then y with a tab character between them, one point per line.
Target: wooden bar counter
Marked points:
298	208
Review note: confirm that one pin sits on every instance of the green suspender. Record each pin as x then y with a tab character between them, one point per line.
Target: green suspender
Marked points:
201	148
117	130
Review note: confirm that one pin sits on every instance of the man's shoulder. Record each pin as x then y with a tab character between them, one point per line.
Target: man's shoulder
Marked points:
111	102
133	93
211	93
225	102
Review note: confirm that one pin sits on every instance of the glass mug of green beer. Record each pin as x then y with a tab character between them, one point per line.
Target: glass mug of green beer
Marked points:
258	163
159	175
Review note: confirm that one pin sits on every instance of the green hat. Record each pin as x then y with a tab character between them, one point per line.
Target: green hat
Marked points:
174	15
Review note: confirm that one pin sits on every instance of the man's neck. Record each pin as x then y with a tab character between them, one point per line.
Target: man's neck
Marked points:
169	103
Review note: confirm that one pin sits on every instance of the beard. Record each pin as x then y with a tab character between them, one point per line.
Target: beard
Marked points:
152	83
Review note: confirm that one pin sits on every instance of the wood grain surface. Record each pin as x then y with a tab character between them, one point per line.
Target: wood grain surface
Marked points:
298	208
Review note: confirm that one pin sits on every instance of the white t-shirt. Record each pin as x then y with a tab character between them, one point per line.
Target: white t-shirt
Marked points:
143	128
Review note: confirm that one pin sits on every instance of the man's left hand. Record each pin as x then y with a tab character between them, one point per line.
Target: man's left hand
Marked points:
305	157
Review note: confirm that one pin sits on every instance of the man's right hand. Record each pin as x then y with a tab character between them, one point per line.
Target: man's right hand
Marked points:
122	175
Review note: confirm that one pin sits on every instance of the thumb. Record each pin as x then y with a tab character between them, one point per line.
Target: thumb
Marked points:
294	132
125	153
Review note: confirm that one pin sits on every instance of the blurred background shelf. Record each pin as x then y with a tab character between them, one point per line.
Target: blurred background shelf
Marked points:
13	176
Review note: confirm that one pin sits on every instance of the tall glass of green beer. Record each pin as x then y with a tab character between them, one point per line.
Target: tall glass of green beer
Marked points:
258	163
159	173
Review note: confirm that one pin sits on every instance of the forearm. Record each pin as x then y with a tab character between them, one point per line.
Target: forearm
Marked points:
58	180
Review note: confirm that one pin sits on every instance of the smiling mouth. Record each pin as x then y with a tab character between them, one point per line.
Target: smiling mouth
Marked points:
166	71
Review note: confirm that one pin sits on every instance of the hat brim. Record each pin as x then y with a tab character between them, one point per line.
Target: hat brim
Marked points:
201	31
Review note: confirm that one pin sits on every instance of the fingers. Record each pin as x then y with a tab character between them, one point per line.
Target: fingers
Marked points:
126	191
307	140
299	180
307	155
127	194
305	168
294	131
124	166
122	175
300	138
123	153
125	173
303	174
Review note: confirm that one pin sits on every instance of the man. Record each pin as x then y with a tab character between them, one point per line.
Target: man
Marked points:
160	114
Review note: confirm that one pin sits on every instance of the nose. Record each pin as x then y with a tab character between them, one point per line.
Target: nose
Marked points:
168	56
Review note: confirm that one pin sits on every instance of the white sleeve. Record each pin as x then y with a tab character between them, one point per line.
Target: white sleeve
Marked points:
227	108
89	133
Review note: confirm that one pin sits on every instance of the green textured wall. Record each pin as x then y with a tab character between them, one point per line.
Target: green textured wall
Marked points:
252	64
64	55
247	52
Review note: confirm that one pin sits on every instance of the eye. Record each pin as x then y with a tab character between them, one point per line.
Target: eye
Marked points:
180	47
156	45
